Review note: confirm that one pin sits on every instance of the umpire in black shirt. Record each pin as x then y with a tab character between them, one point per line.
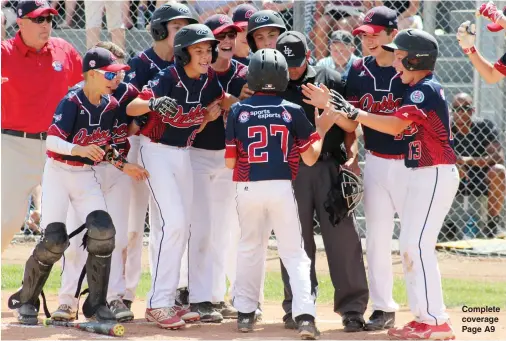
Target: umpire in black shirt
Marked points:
312	185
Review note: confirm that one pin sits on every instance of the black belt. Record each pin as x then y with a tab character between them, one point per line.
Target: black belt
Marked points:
326	156
37	136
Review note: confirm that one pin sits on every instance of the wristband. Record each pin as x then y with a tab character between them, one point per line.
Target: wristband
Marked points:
116	159
470	50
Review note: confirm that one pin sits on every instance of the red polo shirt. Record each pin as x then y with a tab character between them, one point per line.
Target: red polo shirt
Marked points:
37	82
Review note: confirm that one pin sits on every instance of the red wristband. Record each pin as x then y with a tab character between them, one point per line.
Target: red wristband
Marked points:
470	50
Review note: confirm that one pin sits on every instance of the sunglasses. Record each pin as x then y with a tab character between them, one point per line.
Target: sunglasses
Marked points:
40	20
229	35
462	108
109	75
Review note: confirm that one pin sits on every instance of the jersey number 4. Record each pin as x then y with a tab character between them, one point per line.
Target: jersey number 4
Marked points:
274	129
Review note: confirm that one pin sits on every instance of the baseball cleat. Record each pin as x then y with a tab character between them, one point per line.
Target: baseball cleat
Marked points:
166	317
353	322
226	310
307	330
380	320
27	314
421	331
245	322
206	312
186	314
121	311
289	322
64	313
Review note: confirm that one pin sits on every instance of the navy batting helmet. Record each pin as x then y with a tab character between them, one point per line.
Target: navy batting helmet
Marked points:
191	35
267	71
265	18
421	46
166	13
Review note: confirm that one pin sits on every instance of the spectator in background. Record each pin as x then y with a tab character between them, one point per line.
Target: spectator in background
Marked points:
114	11
206	8
70	9
482	173
407	12
283	7
240	16
342	48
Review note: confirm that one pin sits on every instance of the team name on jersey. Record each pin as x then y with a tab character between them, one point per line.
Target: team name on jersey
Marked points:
185	120
97	136
388	104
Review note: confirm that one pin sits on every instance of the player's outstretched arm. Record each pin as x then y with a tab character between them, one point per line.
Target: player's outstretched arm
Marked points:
466	36
138	107
323	122
391	125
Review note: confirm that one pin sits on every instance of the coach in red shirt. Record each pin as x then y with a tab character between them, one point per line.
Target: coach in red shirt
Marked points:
37	71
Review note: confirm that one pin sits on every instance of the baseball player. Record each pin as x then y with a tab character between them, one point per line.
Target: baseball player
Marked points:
116	187
466	36
264	28
180	101
265	138
165	22
81	136
433	179
240	17
374	86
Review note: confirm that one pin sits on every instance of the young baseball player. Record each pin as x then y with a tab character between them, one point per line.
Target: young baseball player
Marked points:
165	22
240	17
264	28
265	138
116	187
214	190
82	135
466	36
180	101
433	179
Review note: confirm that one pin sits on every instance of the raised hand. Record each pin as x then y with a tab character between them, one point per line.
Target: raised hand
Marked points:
489	10
324	121
466	35
318	97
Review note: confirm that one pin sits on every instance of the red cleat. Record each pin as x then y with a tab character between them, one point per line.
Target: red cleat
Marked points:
421	331
166	317
185	313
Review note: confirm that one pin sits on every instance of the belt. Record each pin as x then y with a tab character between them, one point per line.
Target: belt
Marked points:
325	156
36	136
388	156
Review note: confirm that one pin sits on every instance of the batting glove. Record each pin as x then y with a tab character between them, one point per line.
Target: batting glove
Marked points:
466	35
341	104
165	106
489	11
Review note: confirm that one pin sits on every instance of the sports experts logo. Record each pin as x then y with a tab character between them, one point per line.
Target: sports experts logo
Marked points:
244	117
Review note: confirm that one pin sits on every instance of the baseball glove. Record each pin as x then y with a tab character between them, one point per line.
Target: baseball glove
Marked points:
165	106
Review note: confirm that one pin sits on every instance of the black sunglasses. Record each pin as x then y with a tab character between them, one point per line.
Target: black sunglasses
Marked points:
230	35
40	20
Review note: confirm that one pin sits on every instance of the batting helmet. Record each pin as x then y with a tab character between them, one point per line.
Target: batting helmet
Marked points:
420	45
344	196
265	18
267	71
166	13
191	35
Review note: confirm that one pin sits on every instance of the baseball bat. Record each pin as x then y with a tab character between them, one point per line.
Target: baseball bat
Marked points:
112	329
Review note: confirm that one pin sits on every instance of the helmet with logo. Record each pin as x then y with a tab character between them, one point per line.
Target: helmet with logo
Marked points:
191	35
267	71
421	46
166	13
265	18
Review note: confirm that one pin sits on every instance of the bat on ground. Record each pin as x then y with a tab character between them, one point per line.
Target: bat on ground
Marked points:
112	329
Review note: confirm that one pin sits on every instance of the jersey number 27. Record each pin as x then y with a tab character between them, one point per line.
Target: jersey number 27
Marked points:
274	129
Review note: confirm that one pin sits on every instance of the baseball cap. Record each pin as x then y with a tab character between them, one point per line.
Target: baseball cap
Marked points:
34	9
242	13
102	59
220	22
293	46
496	27
376	20
342	36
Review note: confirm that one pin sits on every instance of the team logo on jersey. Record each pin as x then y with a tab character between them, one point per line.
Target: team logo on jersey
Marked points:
288	51
417	96
202	32
244	117
262	19
97	136
286	116
57	118
131	75
92	63
388	104
442	93
57	66
248	14
120	133
195	116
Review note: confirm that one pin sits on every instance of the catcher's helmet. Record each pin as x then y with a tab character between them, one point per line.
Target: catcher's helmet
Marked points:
265	18
267	71
420	45
166	13
344	196
191	35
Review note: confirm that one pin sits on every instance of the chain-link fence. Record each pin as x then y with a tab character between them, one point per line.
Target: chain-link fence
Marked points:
479	119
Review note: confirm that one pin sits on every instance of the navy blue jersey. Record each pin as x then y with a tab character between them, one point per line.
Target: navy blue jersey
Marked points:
192	96
78	121
213	135
124	94
429	137
145	67
267	134
377	90
501	65
242	60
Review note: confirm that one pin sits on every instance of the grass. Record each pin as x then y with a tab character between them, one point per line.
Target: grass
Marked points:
457	292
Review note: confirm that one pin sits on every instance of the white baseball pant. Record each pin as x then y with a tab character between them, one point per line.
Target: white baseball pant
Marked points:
139	200
430	194
115	186
171	188
263	206
385	188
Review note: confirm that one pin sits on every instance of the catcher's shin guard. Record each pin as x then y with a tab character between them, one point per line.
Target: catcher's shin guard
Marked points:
100	242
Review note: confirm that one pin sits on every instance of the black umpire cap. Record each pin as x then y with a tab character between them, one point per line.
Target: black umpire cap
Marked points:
293	45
